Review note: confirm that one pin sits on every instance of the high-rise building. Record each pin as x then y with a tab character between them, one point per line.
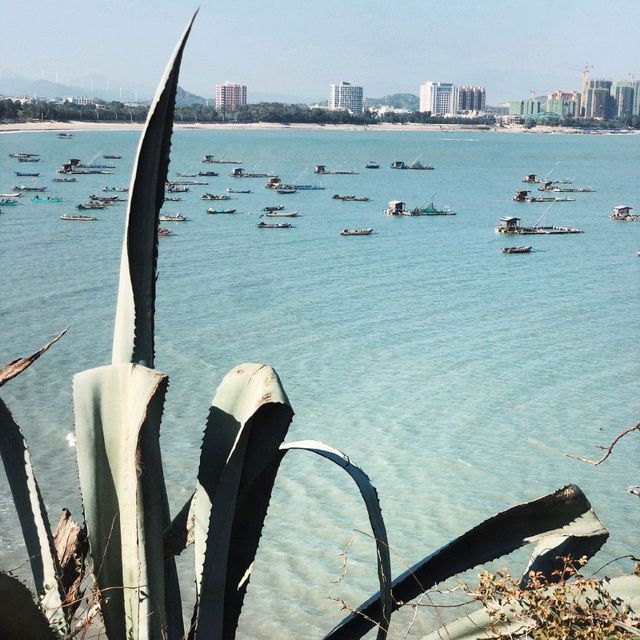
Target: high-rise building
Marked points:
598	101
530	107
564	103
627	97
440	98
230	95
346	97
472	98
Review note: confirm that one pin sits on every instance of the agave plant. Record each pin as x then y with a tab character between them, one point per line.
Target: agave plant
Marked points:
131	536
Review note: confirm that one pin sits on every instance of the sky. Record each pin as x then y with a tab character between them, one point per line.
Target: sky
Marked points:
297	49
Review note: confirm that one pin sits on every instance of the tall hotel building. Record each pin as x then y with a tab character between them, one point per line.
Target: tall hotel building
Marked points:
346	97
472	98
230	95
597	101
440	98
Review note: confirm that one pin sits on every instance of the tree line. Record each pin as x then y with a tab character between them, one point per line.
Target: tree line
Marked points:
276	112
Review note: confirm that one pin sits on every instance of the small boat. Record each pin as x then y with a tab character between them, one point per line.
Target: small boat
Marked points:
110	156
64	180
172	199
94	204
11	194
229	190
184	174
307	187
176	217
281	214
27	188
525	196
77	217
415	166
106	199
47	199
371	165
213	196
191	181
118	189
239	172
65	136
277	207
208	159
623	212
509	226
321	170
17	156
164	232
8	202
350	198
211	174
27	174
356	232
215	211
274	225
176	188
29	158
284	192
524	249
552	186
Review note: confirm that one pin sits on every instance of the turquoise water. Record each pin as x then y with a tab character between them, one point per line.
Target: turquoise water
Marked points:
458	377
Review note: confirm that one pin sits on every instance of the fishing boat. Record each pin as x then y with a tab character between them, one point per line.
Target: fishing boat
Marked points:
510	226
65	136
27	188
27	174
189	182
17	156
29	158
8	202
322	170
117	189
94	204
208	159
281	214
350	198
430	210
552	186
415	166
111	156
11	194
172	199
216	211
74	166
77	217
277	207
239	172
524	249
356	232
274	225
175	217
184	174
525	196
64	180
213	196
624	213
229	190
211	174
106	199
164	232
47	199
176	188
307	187
371	165
284	192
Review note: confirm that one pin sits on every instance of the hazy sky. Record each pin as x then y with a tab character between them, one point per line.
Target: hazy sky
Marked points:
299	48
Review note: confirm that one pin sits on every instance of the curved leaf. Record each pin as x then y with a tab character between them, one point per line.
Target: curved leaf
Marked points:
370	497
133	339
19	614
551	515
33	517
249	418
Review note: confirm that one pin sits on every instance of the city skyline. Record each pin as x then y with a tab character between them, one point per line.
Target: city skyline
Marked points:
383	49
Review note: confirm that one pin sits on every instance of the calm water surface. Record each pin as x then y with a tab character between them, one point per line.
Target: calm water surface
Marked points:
456	376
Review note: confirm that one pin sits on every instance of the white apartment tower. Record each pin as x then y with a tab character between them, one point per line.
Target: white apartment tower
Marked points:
230	95
346	97
440	98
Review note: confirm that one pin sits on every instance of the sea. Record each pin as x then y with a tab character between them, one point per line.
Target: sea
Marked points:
459	378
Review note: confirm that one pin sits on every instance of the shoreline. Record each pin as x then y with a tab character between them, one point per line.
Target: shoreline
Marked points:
25	127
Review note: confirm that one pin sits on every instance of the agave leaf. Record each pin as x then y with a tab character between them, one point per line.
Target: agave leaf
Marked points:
16	367
372	503
133	339
20	617
33	518
552	515
248	421
479	625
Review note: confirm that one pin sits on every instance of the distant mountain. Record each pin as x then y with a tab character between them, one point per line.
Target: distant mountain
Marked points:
186	99
397	100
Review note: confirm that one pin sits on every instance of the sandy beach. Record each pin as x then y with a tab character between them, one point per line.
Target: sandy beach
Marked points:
124	126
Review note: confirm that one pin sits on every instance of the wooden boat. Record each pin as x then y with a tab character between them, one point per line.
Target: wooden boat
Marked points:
372	165
281	214
117	189
65	136
17	156
176	217
356	232
77	217
321	170
106	199
94	204
11	194
172	199
189	182
110	156
164	232
27	188
211	174
277	207
524	249
215	211
274	225
64	180
27	174
8	202
229	190
176	188
47	199
184	174
350	198
29	158
510	226
284	192
213	196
